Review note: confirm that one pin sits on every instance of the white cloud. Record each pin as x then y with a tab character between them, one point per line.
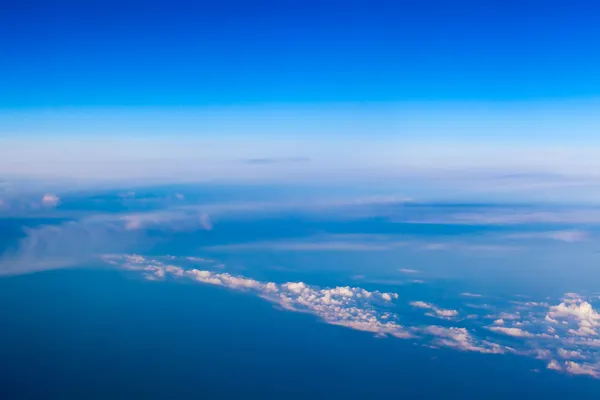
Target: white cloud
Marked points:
582	369
554	365
421	304
408	271
371	311
579	311
347	306
460	338
50	200
570	354
516	332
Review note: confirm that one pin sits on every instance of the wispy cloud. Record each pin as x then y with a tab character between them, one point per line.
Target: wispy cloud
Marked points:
436	311
568	236
276	160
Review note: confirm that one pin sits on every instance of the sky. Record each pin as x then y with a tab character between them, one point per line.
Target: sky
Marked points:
193	90
274	183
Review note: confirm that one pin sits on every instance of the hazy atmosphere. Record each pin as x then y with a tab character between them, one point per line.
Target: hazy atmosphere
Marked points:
299	199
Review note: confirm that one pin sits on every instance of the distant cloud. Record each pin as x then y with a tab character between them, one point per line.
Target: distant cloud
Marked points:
409	271
50	200
570	354
582	369
508	216
461	339
276	160
77	242
554	365
180	220
467	294
516	332
346	306
568	236
437	312
373	311
316	243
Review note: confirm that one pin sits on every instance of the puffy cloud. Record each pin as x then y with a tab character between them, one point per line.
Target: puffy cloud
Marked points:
570	354
554	365
371	311
582	369
579	311
346	306
421	304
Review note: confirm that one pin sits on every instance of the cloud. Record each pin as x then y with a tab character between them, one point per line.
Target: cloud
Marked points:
570	354
317	243
437	312
579	311
346	306
77	242
180	220
554	365
516	332
466	294
569	236
373	311
276	160
409	271
511	216
460	338
582	369
50	200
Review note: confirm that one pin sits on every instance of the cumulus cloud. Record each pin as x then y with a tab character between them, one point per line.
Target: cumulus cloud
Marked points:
347	306
582	369
578	311
373	311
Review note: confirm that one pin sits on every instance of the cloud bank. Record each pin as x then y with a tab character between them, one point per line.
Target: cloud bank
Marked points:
553	340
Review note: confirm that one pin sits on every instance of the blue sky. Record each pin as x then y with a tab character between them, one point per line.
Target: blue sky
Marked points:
368	90
134	53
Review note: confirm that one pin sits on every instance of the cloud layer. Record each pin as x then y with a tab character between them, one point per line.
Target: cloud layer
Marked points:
563	336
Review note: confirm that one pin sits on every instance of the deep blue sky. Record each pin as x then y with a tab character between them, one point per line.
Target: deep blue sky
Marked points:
136	53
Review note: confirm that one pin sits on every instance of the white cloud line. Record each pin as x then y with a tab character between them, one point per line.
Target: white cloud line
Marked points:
371	311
